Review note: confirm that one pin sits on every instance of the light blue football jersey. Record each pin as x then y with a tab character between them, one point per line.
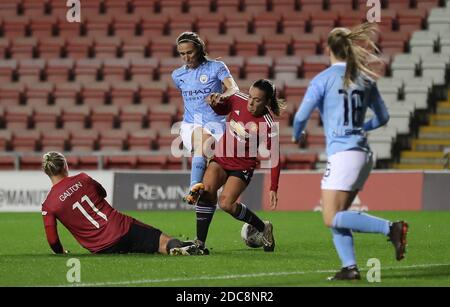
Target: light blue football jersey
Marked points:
342	111
196	85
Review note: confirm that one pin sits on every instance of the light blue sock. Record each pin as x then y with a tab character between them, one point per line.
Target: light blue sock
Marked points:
198	169
361	222
343	242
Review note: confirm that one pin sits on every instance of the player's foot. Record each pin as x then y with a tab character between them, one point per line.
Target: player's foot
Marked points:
397	236
267	237
194	194
200	245
189	250
347	273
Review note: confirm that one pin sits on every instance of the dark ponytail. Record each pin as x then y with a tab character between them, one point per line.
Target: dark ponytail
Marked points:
275	105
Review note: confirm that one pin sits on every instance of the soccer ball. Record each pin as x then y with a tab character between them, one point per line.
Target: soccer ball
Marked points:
251	236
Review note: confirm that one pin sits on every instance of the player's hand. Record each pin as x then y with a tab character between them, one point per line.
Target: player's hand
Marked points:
214	99
273	200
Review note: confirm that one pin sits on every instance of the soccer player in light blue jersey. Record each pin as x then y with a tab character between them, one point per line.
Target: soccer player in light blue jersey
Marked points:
343	93
197	80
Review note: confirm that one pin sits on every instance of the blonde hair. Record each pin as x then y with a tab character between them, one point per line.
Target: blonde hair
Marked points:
357	48
53	163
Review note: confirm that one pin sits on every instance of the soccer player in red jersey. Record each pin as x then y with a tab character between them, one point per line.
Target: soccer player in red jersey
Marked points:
78	202
249	124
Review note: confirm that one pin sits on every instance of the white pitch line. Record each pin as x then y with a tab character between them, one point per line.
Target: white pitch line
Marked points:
237	276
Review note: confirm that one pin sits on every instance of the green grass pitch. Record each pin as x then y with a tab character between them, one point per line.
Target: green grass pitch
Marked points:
304	255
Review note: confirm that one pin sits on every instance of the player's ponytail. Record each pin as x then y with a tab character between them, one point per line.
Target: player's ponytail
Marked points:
53	163
357	48
275	105
191	37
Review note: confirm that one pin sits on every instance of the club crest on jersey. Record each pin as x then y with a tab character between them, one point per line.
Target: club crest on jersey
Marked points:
204	79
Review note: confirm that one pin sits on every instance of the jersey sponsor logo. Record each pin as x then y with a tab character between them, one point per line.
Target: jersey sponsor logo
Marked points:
205	91
204	79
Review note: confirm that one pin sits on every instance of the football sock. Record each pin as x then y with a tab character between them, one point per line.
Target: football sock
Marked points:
343	242
198	169
205	213
244	214
361	222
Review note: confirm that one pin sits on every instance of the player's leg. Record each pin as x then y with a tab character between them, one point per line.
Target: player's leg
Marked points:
213	180
236	183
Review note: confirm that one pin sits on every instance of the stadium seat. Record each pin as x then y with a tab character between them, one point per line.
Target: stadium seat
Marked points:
404	66
119	162
174	163
59	70
124	93
98	26
83	140
238	24
287	68
25	140
51	47
174	97
142	140
398	4
166	138
393	42
219	45
278	45
35	8
153	25
43	27
234	64
285	137
323	22
87	70
411	20
30	71
266	23
125	26
95	94
117	7
133	117
311	5
9	8
154	162
66	94
167	66
229	7
305	44
144	7
75	117
281	6
152	93
30	163
11	94
181	23
89	162
173	7
107	47
15	26
304	161
46	118
294	22
115	70
104	117
210	25
112	140
68	30
143	70
7	70
161	116
427	5
7	163
258	67
79	47
349	19
23	48
314	64
163	46
55	139
248	45
295	90
438	20
423	42
38	94
340	5
135	47
5	139
255	6
4	46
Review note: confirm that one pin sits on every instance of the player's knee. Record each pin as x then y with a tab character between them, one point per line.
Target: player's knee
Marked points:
328	221
226	204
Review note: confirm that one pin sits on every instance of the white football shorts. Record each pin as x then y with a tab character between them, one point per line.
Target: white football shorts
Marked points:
347	171
186	130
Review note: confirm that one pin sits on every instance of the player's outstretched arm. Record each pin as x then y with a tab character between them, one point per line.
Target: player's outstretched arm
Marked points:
53	240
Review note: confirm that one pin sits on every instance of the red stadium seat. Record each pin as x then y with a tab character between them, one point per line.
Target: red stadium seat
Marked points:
281	6
107	47
5	138
294	22
59	70
166	139
153	25
155	162
30	163
135	47
46	118
95	93
144	7
104	117
314	64
411	20
42	27
119	162
266	23
167	66
161	116
79	47
235	64
75	117
305	161
142	140
84	140
258	67
174	97
11	94
124	93
174	163
26	140
229	7
427	5
115	70
392	43
143	70
248	45
23	47
219	45
112	140
181	23
287	68
133	117
285	135
56	140
87	70
15	26
210	24
125	25
34	7
350	19
295	90
7	163
398	4
340	5
277	45
66	94
98	26
88	162
173	7
4	45
68	30
200	7
30	71
313	6
323	22
238	23
9	8
117	7
163	46
51	47
305	44
38	94
152	93
256	6
7	70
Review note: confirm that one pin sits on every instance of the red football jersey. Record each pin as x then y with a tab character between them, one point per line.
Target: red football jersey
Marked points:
238	148
78	202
